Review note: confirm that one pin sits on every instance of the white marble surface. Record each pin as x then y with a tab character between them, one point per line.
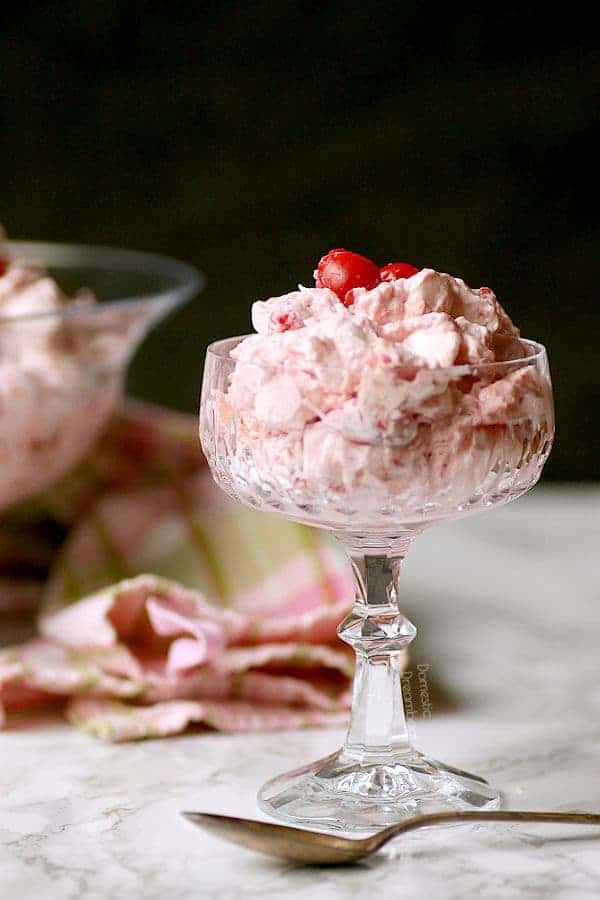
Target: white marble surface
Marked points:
508	604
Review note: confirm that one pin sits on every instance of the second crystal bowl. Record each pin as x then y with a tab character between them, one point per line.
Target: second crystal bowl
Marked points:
62	372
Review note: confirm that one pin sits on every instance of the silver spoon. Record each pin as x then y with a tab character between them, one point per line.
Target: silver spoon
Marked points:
328	849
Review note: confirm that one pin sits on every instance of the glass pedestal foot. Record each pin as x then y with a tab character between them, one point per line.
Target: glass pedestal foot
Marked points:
342	793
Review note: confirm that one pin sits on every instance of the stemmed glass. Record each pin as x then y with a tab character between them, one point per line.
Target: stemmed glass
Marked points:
377	777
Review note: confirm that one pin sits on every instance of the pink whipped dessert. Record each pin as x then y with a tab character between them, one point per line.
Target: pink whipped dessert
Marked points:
392	386
53	399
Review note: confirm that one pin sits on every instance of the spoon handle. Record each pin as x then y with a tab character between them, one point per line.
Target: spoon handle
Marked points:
496	815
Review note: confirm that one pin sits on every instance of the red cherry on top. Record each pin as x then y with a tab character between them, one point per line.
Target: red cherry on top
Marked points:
341	271
397	270
3	266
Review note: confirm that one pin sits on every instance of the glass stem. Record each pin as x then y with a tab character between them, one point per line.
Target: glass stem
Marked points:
379	634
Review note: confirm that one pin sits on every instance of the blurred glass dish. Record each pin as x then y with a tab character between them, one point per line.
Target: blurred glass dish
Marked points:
486	447
63	361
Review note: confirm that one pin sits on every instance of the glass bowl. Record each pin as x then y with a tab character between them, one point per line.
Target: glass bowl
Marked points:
62	372
376	495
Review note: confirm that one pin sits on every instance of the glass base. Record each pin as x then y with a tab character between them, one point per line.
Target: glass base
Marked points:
341	793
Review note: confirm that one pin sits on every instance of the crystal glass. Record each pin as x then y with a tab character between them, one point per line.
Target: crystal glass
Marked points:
62	372
377	777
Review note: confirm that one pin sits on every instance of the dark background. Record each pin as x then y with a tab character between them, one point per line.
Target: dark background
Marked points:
249	138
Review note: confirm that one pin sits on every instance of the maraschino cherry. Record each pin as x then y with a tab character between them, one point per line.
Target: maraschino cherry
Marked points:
341	271
396	270
3	266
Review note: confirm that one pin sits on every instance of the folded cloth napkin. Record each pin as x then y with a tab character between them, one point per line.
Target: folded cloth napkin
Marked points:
161	603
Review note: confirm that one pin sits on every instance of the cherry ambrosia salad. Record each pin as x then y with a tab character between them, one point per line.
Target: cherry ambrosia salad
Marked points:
380	380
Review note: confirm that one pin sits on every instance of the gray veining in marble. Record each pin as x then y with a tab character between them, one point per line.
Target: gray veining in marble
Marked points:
509	612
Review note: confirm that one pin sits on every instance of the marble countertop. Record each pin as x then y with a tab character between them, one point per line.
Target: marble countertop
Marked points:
508	608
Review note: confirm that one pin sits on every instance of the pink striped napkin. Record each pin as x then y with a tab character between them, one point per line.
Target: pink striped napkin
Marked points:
161	604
